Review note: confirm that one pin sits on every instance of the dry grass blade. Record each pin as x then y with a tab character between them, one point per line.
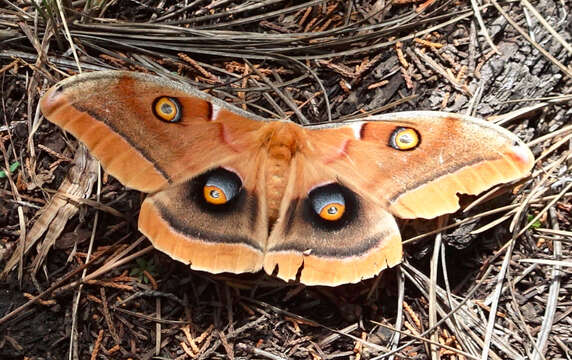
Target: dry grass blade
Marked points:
67	33
552	300
564	130
72	349
18	256
266	15
495	302
432	291
555	232
562	263
482	25
56	213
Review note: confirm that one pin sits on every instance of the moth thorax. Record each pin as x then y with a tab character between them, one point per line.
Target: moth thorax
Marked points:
280	152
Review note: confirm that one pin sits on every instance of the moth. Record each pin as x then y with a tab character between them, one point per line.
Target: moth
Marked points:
229	191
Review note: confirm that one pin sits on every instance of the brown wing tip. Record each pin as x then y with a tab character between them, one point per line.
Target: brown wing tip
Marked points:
521	156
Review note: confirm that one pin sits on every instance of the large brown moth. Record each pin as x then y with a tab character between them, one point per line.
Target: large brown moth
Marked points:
233	192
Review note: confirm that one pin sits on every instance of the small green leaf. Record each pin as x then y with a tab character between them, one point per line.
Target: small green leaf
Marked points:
13	168
140	268
536	224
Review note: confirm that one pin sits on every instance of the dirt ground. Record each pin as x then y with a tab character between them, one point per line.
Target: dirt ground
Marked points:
79	281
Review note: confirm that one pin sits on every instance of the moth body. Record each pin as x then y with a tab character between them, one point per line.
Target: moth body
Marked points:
280	142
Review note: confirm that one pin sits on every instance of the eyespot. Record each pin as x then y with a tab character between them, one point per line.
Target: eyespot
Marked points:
167	109
328	203
221	187
404	138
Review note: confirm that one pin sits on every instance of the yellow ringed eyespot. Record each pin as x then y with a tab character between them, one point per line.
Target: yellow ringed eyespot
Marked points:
404	138
332	211
167	109
214	195
221	186
327	203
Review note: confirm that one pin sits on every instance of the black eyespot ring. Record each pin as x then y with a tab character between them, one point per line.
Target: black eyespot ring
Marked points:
217	188
221	186
218	191
167	109
331	207
328	205
404	138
